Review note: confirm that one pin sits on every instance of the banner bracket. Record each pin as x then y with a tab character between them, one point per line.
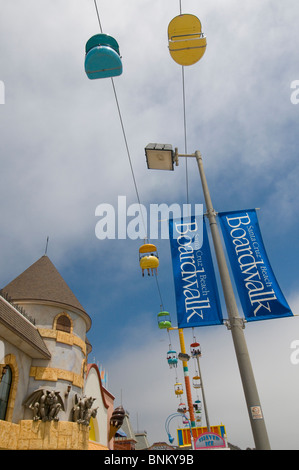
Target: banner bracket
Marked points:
211	212
237	321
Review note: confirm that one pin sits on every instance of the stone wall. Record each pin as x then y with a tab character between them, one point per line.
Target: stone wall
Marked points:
38	435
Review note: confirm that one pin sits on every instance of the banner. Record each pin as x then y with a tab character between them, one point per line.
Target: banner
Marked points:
259	292
196	290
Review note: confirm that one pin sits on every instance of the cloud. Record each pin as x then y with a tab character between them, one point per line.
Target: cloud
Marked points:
63	153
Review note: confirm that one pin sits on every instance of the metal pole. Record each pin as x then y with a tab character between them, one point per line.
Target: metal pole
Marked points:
236	326
203	396
187	380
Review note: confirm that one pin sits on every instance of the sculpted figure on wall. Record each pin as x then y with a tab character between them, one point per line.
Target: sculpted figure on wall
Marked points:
45	404
83	411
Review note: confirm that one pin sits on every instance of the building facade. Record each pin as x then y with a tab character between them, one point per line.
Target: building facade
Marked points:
50	398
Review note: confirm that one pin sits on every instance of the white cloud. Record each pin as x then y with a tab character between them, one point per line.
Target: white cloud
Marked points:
63	153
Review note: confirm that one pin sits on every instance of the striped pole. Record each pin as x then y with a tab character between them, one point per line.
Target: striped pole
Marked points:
187	379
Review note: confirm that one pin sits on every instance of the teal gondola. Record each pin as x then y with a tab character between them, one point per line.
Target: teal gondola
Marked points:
102	59
172	358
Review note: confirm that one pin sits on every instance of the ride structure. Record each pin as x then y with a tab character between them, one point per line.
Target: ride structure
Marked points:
102	58
148	258
187	43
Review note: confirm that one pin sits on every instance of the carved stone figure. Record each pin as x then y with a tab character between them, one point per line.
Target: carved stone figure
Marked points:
45	404
83	411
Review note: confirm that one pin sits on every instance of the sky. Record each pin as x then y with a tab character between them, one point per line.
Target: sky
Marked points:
66	155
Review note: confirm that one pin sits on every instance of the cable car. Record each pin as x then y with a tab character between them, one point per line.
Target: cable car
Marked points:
187	43
148	258
197	406
164	320
182	408
195	349
172	358
196	381
102	57
178	389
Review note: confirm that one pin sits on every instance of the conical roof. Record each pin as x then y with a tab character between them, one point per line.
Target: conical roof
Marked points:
42	281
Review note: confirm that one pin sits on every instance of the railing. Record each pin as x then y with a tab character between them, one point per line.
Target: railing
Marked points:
17	307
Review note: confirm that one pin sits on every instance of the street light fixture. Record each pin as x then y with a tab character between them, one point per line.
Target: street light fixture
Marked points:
159	156
235	322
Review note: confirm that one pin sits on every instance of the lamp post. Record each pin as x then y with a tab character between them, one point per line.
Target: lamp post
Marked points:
162	157
203	394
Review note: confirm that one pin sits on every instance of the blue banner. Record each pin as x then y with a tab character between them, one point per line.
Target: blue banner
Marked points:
197	298
259	292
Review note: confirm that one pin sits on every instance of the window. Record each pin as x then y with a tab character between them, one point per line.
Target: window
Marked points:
5	386
63	324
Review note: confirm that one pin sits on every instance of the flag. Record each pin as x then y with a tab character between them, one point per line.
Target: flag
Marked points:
258	289
197	298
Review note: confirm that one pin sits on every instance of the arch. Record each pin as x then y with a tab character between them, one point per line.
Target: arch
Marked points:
94	434
5	386
11	363
63	322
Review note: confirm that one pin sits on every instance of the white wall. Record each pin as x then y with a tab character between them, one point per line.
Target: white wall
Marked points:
93	389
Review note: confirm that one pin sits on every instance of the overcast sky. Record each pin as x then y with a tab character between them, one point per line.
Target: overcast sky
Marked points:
63	154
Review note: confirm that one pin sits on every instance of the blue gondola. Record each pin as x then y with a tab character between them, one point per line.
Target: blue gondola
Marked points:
172	358
102	58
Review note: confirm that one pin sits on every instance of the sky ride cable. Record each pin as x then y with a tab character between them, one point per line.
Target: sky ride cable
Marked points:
128	150
159	290
124	134
185	122
185	133
96	7
181	333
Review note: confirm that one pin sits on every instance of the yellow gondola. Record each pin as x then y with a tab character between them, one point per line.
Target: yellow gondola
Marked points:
178	389
187	43
148	258
196	381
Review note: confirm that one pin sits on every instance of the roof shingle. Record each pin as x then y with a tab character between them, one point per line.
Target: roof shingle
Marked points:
15	324
42	281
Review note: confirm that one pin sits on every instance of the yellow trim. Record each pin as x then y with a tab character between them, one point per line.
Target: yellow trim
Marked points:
53	374
92	434
96	446
38	435
62	337
83	367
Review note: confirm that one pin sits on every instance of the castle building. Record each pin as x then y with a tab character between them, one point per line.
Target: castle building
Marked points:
50	397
